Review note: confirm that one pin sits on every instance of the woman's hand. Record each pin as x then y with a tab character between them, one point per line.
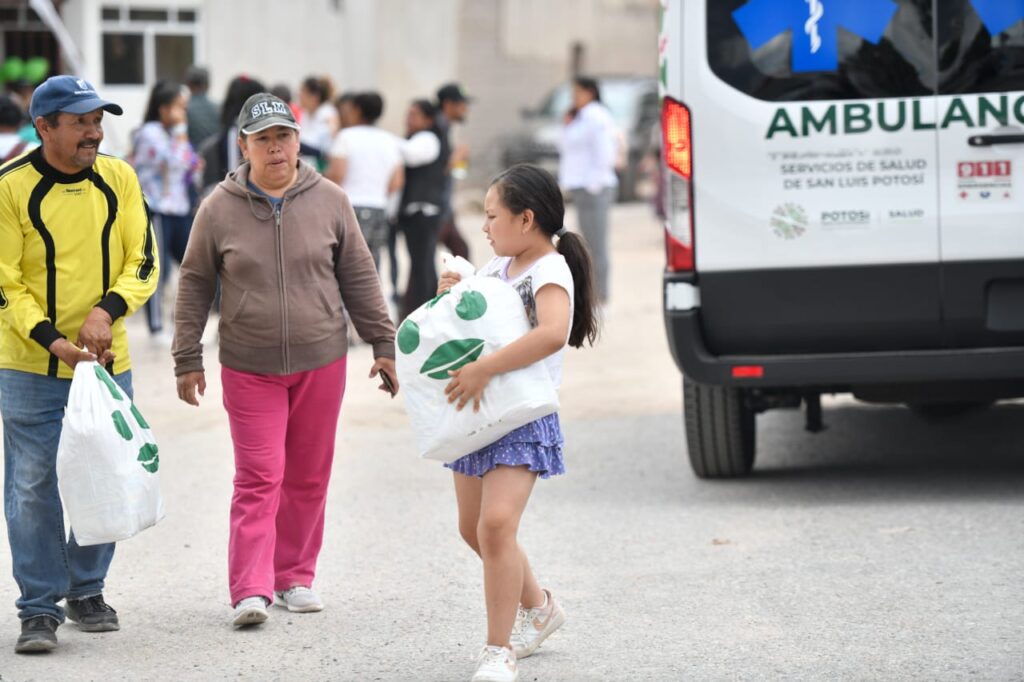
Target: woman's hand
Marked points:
447	281
468	384
386	367
187	385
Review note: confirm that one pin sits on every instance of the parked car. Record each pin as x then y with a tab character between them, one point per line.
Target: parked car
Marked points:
633	103
845	209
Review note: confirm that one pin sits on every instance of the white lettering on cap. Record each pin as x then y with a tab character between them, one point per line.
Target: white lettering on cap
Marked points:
261	109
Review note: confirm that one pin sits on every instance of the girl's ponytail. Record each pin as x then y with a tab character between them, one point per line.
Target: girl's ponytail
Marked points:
526	186
584	317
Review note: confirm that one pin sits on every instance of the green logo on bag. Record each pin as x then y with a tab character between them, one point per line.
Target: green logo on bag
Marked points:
472	306
408	337
451	356
149	458
121	425
102	375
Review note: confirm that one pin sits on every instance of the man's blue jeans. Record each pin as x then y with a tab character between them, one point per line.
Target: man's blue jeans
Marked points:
48	566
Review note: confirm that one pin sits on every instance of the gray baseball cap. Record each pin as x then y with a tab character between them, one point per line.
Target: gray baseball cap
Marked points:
262	111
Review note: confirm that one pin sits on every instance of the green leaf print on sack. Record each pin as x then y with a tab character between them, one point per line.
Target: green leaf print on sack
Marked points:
408	337
149	458
472	306
450	356
432	302
102	375
121	425
138	417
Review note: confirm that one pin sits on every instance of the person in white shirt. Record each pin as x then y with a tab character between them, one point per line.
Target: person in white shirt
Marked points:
589	147
319	120
367	162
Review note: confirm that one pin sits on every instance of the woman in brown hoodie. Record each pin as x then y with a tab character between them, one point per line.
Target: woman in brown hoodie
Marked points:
289	253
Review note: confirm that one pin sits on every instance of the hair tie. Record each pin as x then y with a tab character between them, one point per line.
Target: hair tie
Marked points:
561	233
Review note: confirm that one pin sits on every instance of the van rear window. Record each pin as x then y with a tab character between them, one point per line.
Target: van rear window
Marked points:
792	50
981	46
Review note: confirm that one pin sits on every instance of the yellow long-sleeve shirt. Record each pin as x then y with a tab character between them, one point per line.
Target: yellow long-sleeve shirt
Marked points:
69	243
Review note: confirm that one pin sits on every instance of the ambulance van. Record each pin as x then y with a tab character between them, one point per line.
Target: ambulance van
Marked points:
845	208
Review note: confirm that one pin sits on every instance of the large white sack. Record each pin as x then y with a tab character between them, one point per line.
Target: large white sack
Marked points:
107	461
473	319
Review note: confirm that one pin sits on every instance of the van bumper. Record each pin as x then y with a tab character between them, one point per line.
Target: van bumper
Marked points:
691	354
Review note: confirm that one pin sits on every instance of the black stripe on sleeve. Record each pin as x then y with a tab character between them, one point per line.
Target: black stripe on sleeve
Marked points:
35	203
45	334
114	304
149	247
100	183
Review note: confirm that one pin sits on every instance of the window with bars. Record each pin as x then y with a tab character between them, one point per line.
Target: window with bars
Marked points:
145	44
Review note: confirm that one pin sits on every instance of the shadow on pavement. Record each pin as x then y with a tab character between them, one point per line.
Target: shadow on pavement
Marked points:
866	454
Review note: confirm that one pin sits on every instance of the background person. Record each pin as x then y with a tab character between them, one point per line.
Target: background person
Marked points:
203	114
282	351
367	162
165	162
320	120
419	214
589	147
76	256
453	107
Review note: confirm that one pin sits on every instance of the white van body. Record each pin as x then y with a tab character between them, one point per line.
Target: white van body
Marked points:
845	207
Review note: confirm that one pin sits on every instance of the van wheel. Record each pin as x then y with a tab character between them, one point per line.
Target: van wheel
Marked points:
941	411
720	430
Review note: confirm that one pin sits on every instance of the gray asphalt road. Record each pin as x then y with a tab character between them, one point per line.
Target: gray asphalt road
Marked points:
884	548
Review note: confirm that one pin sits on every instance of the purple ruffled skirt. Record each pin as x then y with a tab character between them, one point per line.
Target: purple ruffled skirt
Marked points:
537	445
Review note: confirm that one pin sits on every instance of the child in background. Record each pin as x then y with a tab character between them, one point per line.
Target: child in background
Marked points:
551	270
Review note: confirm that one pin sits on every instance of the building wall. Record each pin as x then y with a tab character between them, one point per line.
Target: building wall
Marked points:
513	52
508	53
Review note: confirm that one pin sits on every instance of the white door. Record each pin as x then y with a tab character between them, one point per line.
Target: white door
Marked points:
981	156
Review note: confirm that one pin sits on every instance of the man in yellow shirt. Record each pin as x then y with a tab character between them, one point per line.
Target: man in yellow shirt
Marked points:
77	254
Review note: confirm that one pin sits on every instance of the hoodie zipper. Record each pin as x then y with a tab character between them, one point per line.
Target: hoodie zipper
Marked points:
285	355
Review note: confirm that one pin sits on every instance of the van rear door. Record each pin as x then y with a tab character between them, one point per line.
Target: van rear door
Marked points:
981	161
814	174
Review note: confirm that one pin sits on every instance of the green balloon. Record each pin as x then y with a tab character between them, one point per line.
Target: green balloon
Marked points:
36	70
13	69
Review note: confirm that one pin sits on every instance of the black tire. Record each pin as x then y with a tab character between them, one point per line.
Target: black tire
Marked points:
936	412
720	430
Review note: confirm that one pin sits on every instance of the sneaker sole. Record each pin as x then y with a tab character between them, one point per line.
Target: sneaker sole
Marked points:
557	621
96	627
35	646
250	617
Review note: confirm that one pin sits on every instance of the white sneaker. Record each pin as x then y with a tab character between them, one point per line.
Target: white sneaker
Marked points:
533	626
299	599
250	611
496	664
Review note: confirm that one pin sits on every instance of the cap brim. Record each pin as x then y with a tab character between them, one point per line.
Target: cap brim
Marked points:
86	105
270	123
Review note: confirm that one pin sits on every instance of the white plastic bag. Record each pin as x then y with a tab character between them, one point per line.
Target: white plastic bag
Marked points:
107	461
474	318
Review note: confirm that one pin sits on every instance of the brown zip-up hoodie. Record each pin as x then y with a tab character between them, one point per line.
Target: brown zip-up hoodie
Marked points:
284	276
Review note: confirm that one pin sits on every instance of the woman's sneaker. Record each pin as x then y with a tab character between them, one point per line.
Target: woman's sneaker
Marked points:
299	599
496	664
535	625
250	611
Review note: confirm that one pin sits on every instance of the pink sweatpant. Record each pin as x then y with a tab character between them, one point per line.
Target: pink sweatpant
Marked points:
283	431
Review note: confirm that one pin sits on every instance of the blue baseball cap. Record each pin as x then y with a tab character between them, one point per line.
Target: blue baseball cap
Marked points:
70	94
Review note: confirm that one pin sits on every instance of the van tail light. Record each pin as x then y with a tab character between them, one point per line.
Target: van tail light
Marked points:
677	155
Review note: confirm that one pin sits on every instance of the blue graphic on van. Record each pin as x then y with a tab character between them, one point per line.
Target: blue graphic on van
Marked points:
815	25
999	15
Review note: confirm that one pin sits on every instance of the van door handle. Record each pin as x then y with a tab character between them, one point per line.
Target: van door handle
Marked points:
989	140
